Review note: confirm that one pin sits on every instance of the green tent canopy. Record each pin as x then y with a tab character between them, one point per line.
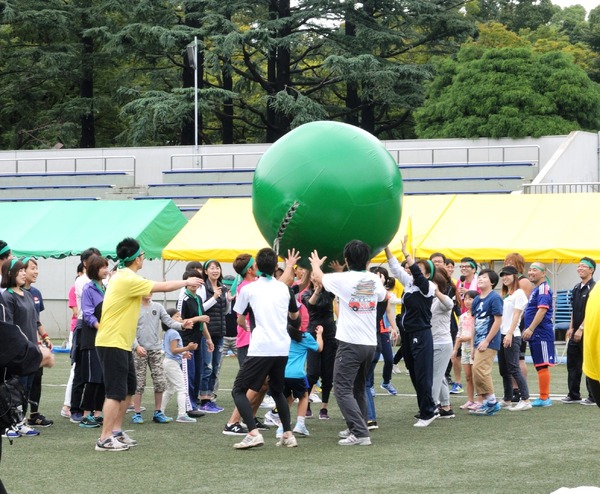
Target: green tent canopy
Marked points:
65	228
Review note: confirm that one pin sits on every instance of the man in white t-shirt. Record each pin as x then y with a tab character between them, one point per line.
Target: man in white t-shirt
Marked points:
358	292
272	302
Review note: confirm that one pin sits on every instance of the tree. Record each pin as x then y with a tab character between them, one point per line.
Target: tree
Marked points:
508	92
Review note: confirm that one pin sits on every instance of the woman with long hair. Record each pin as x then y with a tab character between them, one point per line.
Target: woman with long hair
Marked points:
515	302
216	302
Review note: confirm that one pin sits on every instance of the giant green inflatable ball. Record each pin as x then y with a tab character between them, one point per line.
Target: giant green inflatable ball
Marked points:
324	184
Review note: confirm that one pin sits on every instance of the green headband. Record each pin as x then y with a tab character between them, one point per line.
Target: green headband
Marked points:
539	268
240	277
431	269
5	249
130	258
25	260
207	263
13	262
248	266
587	263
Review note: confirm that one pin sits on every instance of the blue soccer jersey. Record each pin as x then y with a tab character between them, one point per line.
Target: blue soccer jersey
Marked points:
540	298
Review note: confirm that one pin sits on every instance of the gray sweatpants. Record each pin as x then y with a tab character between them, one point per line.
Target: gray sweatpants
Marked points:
350	370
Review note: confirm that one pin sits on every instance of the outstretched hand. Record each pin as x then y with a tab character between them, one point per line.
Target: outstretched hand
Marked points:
315	260
292	258
336	266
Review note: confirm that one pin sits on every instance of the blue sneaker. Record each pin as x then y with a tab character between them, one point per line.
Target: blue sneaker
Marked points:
482	410
89	422
456	388
493	408
76	417
161	418
27	431
137	418
12	434
389	388
538	402
211	407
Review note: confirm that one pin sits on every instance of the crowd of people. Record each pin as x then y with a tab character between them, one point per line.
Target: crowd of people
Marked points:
292	329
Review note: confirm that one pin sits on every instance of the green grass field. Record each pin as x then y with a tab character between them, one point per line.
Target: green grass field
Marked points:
535	451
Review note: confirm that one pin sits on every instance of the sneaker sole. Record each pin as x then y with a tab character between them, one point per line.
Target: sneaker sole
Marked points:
249	447
100	448
231	433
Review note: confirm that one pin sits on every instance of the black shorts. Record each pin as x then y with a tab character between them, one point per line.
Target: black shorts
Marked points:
295	387
254	371
118	372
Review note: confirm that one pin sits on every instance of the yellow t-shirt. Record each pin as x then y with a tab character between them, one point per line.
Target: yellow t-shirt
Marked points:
121	309
591	335
398	291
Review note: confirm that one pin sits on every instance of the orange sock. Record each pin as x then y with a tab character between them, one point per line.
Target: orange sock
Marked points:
544	382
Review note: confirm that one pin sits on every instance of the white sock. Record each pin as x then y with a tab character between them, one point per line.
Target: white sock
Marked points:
301	420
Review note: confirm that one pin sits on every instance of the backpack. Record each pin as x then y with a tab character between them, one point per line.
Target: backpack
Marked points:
12	400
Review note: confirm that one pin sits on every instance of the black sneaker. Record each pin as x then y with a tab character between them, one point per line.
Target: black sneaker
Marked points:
516	396
372	425
38	420
235	430
260	426
196	413
446	414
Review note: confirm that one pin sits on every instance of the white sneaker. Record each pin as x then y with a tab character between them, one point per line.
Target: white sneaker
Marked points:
268	402
301	429
314	398
287	442
344	434
352	440
522	405
279	432
272	419
425	423
111	444
396	369
124	438
185	419
250	442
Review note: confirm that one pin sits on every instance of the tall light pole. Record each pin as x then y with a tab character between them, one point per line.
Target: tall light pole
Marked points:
192	51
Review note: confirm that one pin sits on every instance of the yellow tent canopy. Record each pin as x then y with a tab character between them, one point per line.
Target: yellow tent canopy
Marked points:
542	227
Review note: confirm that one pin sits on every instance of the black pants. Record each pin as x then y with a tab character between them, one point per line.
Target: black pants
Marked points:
320	364
400	353
594	387
574	369
93	397
35	394
418	355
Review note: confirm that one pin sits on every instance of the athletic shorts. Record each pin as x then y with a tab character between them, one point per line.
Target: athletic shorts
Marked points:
118	371
542	352
295	387
255	370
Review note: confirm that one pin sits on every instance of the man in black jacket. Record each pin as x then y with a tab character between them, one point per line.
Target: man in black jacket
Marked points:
585	270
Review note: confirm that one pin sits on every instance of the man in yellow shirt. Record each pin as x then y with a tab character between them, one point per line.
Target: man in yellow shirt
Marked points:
591	342
114	341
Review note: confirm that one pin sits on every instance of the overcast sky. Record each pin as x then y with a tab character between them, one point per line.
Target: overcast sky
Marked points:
588	4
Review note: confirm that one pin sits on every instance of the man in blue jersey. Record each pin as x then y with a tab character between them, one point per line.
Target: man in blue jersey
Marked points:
539	331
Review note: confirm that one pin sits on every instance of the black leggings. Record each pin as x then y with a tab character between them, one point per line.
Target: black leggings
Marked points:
245	408
320	364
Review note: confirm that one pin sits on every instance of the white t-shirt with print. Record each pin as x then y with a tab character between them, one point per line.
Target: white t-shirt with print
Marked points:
358	293
270	301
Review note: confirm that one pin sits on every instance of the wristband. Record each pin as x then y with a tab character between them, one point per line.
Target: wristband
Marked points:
44	336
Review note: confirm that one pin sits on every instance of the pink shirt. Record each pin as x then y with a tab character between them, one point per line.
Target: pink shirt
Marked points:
73	303
243	336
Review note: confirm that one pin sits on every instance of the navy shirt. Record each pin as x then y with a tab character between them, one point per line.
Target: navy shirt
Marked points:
484	310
